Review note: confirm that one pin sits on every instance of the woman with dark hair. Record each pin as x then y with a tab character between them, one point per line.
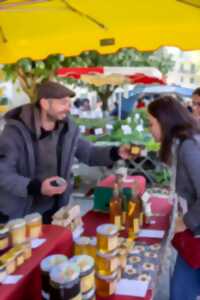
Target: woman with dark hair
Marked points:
174	127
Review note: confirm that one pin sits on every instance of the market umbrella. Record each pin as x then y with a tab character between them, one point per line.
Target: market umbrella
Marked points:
167	89
37	28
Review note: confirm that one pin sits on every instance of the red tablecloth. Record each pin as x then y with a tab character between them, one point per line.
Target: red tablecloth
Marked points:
160	206
58	240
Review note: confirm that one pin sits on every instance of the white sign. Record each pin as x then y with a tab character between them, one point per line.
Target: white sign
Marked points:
37	243
109	126
151	233
131	287
82	128
98	131
12	279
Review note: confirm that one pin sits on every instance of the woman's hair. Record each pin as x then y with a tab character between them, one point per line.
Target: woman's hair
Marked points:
175	122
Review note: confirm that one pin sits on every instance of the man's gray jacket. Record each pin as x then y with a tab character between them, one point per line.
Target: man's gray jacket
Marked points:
18	160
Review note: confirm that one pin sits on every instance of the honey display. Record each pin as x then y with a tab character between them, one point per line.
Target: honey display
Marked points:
3	272
4	238
46	266
34	225
107	263
65	282
9	260
106	285
82	245
89	296
17	231
133	215
115	207
86	265
107	237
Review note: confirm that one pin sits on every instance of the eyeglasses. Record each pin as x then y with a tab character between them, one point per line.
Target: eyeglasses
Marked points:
196	104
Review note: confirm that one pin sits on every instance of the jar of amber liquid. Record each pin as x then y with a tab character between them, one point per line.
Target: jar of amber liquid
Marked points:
86	265
106	285
4	238
17	231
34	225
46	265
89	296
82	245
9	259
65	282
18	252
3	272
92	247
107	263
107	237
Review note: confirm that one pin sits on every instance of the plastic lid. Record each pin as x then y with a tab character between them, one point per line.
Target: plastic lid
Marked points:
85	262
33	217
65	273
49	262
107	229
16	223
83	240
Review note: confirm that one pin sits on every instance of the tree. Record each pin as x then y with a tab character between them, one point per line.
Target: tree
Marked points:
30	73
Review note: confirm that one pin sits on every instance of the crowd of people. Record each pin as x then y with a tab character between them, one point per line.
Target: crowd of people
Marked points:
39	142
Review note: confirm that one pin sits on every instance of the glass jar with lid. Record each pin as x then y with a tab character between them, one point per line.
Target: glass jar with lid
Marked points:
82	245
46	265
86	265
107	263
34	225
65	282
17	231
106	285
107	237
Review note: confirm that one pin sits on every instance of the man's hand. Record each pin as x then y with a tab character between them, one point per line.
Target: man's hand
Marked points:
180	226
48	190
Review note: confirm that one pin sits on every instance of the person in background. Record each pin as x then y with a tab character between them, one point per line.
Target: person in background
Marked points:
196	102
174	127
97	113
37	147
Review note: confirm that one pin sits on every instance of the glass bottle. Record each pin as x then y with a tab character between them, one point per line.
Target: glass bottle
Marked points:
116	207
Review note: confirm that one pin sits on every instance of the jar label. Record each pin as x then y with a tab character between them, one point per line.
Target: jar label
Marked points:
112	243
87	282
136	225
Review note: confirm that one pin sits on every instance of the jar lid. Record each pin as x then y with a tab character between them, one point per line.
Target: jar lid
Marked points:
107	254
16	223
85	262
88	295
49	262
33	217
107	277
107	229
4	230
82	240
65	273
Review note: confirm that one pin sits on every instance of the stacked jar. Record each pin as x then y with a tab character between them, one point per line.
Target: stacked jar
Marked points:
107	260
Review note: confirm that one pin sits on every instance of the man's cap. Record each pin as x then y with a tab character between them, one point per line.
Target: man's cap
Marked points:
53	90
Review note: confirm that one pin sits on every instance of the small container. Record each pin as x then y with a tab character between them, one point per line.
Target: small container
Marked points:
107	237
65	282
82	245
9	260
4	238
47	265
3	272
107	263
34	225
89	296
17	231
86	265
92	247
106	285
27	250
122	254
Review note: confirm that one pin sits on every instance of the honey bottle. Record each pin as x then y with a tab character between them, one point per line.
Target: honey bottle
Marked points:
133	215
116	207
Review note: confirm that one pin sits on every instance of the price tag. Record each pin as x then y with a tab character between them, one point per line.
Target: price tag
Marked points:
98	131
82	128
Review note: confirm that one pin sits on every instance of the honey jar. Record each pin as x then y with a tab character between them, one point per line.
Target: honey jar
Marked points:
86	265
82	245
34	225
92	247
3	272
9	260
106	285
4	238
18	231
46	266
107	263
18	252
89	296
27	250
65	282
107	237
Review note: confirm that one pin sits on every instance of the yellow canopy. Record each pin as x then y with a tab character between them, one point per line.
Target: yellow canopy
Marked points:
37	28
